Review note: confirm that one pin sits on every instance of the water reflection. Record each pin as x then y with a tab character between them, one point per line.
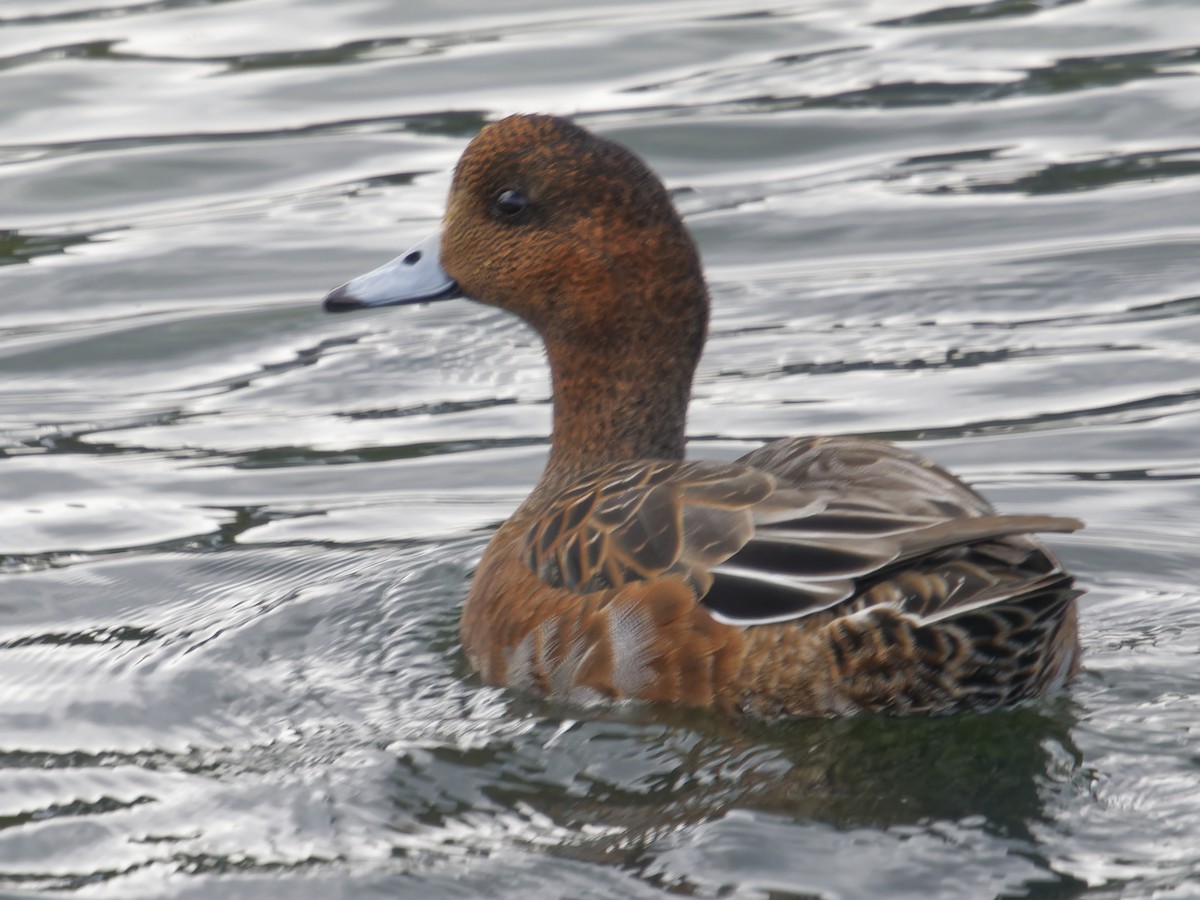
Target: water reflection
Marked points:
637	789
18	247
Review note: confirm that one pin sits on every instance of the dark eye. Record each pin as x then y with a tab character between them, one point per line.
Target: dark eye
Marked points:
509	204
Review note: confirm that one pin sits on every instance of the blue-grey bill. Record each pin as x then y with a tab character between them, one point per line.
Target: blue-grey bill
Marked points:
413	277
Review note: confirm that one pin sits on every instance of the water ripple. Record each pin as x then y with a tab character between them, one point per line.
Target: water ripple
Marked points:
235	533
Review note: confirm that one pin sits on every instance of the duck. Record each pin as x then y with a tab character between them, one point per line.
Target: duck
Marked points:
813	577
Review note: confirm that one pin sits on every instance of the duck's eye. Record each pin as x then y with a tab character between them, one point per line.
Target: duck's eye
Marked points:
509	204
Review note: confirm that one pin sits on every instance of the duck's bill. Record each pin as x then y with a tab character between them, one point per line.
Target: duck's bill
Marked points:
413	277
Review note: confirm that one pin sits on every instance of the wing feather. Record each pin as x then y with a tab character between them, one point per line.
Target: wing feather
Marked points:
795	528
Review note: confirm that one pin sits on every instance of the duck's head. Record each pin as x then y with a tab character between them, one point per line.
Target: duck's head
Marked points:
569	231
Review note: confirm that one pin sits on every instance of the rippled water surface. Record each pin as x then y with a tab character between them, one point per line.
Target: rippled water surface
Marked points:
235	531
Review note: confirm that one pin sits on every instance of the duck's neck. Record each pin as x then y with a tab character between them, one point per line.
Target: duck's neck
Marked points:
620	398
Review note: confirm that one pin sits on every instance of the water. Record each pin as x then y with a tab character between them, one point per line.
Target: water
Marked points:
235	531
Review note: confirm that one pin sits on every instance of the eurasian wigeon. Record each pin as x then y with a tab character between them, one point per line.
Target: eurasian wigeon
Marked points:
815	576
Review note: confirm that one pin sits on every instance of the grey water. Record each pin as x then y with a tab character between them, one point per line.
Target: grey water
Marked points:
235	531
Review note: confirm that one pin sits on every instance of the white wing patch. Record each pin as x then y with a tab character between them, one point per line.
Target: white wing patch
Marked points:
631	632
532	661
519	665
561	679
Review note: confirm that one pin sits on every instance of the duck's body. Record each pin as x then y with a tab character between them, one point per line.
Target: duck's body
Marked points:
809	578
815	576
